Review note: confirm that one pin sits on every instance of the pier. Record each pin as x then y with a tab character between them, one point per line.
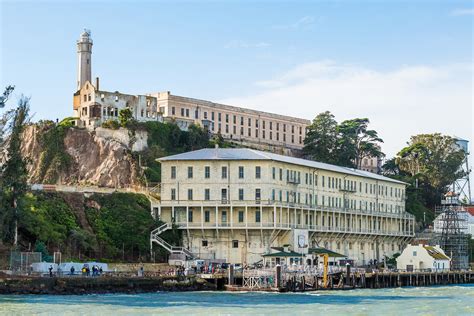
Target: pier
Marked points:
276	280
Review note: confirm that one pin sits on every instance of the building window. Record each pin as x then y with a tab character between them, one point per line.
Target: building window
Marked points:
258	172
190	172
219	116
258	194
224	195
250	122
173	110
173	194
190	216
250	132
196	114
190	194
281	174
182	111
173	172
257	216
235	244
207	194
205	115
207	172
187	112
241	194
212	116
273	194
207	216
241	172
241	216
273	173
204	243
227	118
224	172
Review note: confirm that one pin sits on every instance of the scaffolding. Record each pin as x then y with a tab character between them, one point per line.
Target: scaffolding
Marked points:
451	227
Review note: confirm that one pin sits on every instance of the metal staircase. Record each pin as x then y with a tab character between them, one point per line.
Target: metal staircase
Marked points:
154	237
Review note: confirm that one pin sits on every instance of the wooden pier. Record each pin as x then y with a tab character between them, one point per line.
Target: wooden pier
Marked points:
298	282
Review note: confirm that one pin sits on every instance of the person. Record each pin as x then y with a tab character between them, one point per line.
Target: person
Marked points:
72	270
142	272
100	270
50	271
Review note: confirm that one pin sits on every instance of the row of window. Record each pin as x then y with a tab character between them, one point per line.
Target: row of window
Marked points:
309	219
270	135
224	172
295	197
185	113
294	177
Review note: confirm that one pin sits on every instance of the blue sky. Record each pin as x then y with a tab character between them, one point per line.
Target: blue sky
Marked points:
403	64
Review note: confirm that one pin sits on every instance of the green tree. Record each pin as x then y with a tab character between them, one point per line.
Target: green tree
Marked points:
14	173
434	160
357	142
320	143
125	117
345	144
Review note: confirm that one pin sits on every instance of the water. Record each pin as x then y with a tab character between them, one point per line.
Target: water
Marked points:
439	300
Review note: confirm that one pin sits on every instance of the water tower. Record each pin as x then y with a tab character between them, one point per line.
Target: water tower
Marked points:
462	186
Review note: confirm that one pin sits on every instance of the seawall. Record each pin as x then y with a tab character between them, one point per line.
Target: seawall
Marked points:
101	285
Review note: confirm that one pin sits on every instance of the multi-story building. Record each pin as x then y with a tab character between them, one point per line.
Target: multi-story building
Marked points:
93	106
235	123
235	204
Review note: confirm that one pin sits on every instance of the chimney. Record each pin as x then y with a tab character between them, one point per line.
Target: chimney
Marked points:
97	83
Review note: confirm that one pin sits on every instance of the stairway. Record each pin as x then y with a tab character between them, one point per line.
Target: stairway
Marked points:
154	237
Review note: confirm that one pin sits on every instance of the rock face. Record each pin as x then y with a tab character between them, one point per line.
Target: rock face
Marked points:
95	161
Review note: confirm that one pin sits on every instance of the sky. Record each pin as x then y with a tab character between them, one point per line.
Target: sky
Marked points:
405	65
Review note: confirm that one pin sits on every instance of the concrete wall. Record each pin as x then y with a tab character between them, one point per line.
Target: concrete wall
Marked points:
122	136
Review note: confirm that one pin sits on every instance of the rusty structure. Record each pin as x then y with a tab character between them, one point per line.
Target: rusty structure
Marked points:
451	233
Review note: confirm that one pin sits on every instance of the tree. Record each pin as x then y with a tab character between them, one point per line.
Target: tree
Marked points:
357	142
125	117
435	160
197	137
14	173
345	144
321	139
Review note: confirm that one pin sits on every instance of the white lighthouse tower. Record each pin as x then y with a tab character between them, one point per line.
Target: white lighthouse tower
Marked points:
84	62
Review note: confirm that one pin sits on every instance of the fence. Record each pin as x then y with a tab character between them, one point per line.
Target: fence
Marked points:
20	262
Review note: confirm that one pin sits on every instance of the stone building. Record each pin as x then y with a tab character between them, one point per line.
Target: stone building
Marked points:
423	258
92	106
235	204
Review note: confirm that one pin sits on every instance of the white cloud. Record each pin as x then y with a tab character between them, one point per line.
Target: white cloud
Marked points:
462	12
244	44
400	103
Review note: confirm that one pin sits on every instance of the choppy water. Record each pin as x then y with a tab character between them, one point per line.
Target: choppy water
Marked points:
440	300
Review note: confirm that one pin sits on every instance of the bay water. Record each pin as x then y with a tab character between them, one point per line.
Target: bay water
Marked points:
436	300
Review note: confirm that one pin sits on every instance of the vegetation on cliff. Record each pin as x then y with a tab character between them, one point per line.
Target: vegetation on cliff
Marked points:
168	139
54	158
102	227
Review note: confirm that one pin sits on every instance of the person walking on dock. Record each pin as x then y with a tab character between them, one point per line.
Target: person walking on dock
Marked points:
50	271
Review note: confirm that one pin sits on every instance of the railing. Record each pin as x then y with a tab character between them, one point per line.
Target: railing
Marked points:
292	205
154	237
270	225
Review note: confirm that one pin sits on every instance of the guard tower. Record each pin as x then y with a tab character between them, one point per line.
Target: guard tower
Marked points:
453	238
84	62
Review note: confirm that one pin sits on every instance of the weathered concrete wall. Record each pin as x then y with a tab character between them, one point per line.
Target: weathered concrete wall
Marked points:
139	142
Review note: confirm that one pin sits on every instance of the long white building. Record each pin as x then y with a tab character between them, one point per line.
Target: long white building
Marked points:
235	204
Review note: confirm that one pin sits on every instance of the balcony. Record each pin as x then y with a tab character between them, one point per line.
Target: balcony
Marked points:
289	226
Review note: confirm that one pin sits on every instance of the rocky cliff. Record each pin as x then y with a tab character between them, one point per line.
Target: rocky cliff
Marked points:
77	156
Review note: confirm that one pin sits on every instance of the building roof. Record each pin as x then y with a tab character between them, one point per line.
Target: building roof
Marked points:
321	251
433	252
283	254
252	154
469	209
